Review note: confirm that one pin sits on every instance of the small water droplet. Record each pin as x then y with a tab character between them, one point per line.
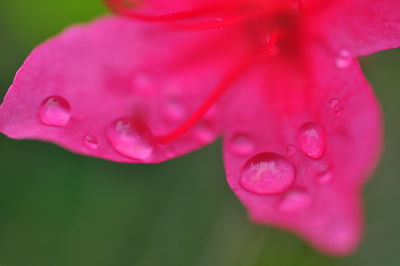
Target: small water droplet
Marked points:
291	150
127	140
325	178
333	103
335	106
55	111
90	143
143	84
342	233
241	144
295	201
205	131
344	59
267	173
174	111
312	140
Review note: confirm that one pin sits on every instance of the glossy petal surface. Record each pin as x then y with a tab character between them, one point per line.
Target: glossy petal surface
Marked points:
91	90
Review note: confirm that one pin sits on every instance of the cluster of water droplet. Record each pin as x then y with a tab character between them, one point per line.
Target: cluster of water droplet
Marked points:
265	173
271	174
123	134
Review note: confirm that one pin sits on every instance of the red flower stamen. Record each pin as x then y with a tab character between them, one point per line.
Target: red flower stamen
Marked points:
120	7
232	76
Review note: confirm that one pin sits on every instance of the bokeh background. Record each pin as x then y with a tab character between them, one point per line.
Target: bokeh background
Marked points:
62	209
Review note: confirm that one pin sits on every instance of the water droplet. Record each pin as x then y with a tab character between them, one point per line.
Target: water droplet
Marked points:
312	140
267	173
335	106
90	143
295	201
143	84
325	178
342	233
291	150
55	111
344	59
128	140
174	111
241	144
333	103
205	131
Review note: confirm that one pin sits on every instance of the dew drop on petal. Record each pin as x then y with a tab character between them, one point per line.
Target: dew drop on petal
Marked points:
205	131
291	150
325	178
340	232
312	140
127	140
295	201
174	111
241	144
55	111
333	103
267	173
90	143
335	106
344	59
142	84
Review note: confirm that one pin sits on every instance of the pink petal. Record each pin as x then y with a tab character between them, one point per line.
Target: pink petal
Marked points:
360	27
299	143
105	89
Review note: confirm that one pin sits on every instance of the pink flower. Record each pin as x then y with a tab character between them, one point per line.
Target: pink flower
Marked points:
278	80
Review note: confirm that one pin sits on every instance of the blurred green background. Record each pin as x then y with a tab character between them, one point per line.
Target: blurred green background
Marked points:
62	209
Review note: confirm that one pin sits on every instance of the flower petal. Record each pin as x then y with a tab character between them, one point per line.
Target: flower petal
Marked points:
105	89
361	26
299	144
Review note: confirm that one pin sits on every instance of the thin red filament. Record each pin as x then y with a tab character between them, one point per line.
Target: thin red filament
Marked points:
240	16
221	88
119	7
264	51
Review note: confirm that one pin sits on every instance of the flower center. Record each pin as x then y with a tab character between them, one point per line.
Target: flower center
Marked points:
270	26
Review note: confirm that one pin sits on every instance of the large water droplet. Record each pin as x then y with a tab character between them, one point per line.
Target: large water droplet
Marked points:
90	143
312	140
267	173
55	111
344	59
241	144
128	140
295	201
